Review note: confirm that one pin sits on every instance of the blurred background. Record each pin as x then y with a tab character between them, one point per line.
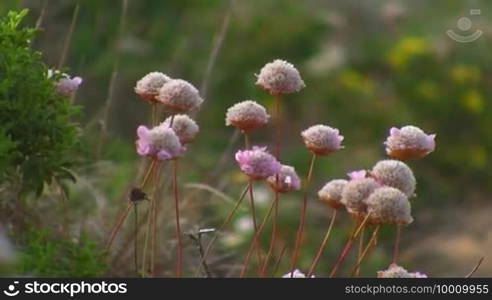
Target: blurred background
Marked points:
368	65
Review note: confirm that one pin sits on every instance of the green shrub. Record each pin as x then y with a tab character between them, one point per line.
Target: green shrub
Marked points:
37	136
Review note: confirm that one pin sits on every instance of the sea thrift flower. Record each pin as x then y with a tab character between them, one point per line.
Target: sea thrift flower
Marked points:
396	174
257	163
356	192
387	205
178	95
296	274
280	77
68	86
357	174
409	142
331	193
148	87
395	271
159	142
287	180
247	115
322	139
185	127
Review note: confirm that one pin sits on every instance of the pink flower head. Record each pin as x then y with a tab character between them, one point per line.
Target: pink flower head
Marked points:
296	274
287	181
68	86
322	139
159	142
148	87
359	174
396	271
280	77
409	142
257	163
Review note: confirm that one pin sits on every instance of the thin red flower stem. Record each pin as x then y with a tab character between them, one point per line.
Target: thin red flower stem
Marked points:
370	244
396	250
124	215
253	216
255	240
273	238
312	268
149	232
179	263
155	212
277	264
300	229
135	244
360	250
278	132
226	222
348	246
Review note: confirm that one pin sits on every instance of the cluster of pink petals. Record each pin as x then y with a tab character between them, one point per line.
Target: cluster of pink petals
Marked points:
280	77
322	139
286	180
68	86
296	274
359	174
409	142
257	163
396	271
160	142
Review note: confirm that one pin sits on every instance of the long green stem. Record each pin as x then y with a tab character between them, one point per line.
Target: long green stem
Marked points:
323	244
300	230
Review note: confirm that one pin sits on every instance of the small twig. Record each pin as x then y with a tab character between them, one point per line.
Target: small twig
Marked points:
218	41
475	268
40	19
68	39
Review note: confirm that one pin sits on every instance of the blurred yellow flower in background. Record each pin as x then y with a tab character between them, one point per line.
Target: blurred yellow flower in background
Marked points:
465	74
407	49
357	82
428	90
478	156
473	101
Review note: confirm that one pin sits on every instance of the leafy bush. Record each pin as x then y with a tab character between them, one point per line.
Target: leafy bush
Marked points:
37	136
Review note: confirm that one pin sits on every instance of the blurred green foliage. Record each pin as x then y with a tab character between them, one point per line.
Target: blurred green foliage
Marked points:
44	254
